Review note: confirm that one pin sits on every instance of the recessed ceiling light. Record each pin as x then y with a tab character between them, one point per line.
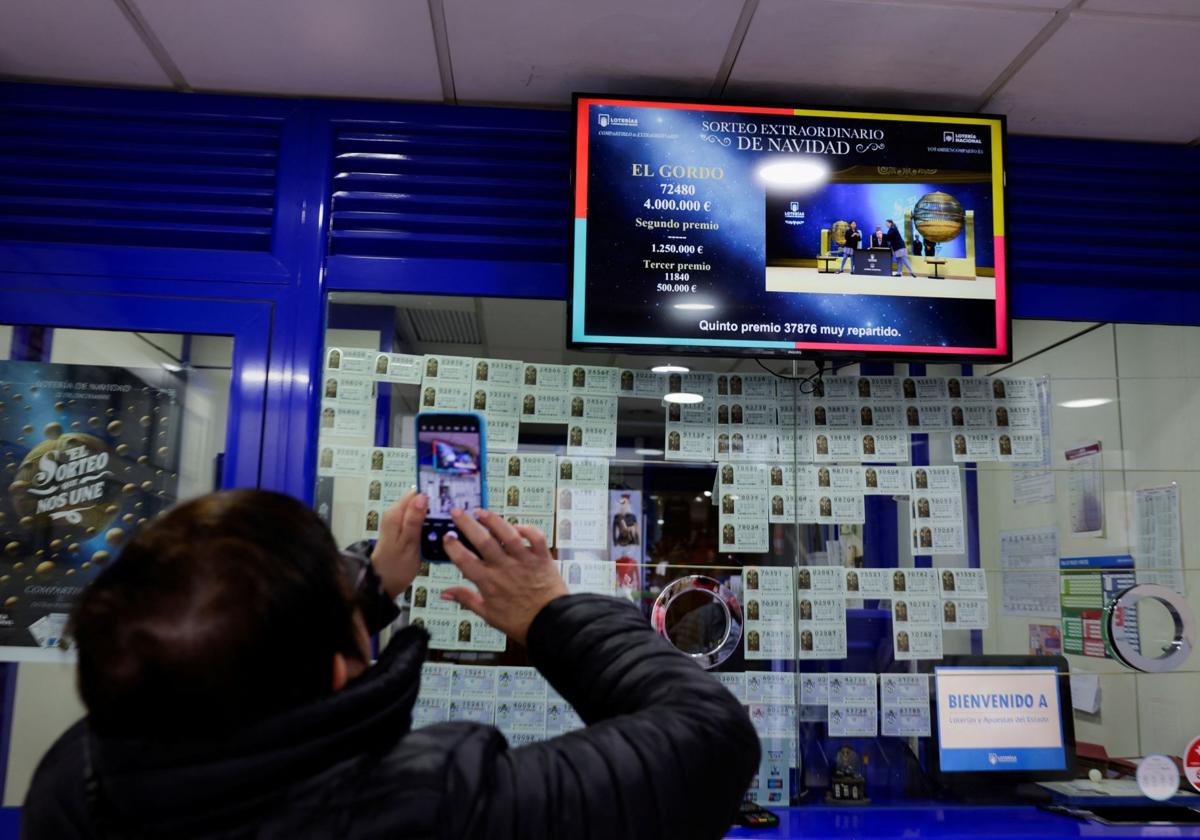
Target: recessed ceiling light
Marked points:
695	306
647	452
708	494
794	173
684	398
669	369
1090	402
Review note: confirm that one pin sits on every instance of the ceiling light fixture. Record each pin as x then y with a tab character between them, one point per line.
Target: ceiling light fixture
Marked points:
1090	402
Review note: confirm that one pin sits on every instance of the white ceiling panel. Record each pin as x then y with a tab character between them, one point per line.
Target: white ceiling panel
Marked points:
912	55
359	48
539	51
1185	8
1089	80
74	40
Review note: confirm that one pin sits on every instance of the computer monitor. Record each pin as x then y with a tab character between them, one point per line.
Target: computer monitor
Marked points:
1003	720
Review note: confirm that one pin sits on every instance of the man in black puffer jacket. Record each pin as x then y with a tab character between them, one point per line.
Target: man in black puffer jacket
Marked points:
222	659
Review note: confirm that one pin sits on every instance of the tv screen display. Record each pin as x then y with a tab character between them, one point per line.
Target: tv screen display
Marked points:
735	229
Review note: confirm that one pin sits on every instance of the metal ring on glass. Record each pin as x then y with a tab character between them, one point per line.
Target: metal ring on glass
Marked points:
721	595
1175	653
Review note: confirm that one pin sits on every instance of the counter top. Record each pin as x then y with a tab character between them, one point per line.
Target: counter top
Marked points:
945	822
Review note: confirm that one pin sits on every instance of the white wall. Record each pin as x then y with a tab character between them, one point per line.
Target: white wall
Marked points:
1150	438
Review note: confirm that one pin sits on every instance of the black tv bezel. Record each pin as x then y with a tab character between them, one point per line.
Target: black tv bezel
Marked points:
976	780
819	356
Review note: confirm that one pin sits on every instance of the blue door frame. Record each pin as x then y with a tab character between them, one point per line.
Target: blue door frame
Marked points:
247	322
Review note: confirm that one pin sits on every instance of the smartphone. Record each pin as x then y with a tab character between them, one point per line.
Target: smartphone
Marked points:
451	472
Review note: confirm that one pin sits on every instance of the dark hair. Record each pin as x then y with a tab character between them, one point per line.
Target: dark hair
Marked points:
225	610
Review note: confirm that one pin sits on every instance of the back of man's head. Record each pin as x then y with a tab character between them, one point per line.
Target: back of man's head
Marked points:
218	614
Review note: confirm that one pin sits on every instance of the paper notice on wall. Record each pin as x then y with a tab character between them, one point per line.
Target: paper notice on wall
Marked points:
1158	537
1085	488
1029	579
1033	484
1030	593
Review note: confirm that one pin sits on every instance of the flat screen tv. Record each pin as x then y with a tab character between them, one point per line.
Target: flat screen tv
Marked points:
770	231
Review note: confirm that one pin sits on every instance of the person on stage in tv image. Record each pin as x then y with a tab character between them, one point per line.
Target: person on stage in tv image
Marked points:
853	238
930	247
242	699
895	241
918	247
878	239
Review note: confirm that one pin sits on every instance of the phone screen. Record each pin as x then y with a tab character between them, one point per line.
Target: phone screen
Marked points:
450	452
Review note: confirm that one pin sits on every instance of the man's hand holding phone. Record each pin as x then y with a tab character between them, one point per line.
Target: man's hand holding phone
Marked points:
515	580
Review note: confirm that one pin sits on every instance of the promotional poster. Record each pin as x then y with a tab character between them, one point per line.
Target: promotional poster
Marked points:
89	455
782	230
